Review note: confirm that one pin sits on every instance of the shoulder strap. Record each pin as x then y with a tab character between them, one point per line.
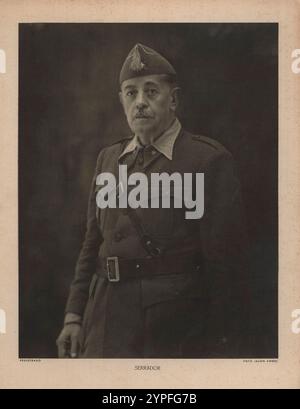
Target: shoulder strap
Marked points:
146	240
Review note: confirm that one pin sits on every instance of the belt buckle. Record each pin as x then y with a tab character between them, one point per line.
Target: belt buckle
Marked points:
113	277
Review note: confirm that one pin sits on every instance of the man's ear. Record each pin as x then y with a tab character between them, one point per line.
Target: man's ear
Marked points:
174	98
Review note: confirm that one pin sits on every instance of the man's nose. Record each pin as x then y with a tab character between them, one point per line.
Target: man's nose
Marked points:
141	101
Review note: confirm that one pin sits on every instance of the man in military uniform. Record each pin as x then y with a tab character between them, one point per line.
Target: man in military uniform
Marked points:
150	283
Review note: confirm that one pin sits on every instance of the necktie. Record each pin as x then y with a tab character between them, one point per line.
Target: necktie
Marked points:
140	156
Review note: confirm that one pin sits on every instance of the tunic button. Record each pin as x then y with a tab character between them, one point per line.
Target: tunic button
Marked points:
138	266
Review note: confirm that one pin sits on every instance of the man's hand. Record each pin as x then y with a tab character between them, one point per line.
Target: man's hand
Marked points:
67	342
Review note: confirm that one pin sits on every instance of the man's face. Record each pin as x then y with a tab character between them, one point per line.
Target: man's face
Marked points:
149	103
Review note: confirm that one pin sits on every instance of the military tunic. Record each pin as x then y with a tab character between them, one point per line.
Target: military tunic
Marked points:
196	314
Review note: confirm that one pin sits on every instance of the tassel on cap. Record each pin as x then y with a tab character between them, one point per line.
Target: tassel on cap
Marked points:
136	60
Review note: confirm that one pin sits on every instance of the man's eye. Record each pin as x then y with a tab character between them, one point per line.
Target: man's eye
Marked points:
130	93
152	92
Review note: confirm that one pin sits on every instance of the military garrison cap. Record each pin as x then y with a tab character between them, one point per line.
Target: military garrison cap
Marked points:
143	61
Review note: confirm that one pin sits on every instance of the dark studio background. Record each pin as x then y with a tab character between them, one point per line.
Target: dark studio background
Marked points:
69	109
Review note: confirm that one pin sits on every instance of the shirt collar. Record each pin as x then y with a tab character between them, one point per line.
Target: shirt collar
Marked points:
163	144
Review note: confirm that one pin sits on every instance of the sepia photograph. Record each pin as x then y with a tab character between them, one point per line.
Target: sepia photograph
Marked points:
148	190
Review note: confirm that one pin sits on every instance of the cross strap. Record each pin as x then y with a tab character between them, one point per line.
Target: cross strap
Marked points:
146	240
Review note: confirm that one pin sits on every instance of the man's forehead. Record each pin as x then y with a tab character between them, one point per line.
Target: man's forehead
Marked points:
142	81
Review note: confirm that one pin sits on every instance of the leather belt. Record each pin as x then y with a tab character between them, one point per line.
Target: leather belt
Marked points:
116	269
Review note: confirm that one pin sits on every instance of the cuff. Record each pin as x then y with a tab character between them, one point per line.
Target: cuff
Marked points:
71	318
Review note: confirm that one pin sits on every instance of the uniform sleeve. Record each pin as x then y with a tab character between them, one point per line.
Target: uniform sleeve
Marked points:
86	263
224	247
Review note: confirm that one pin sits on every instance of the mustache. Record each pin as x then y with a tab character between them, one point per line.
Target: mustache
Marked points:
142	114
